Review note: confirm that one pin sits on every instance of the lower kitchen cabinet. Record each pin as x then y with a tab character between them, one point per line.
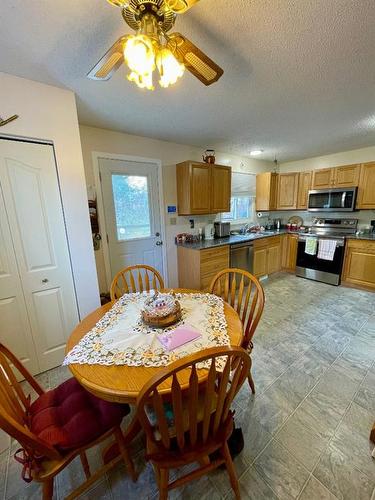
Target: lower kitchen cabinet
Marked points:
359	263
197	268
289	247
267	256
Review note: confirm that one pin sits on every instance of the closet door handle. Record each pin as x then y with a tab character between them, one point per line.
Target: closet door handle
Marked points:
45	280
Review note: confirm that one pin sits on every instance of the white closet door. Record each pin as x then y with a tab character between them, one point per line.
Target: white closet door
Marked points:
32	199
15	331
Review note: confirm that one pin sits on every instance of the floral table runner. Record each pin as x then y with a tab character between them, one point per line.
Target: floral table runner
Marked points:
121	337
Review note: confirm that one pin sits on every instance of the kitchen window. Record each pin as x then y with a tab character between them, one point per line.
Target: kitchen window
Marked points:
241	209
242	205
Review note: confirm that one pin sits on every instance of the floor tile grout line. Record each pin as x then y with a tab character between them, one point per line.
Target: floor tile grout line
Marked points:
274	436
316	479
338	425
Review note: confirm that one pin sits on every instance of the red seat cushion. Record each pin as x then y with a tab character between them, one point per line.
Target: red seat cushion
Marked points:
69	417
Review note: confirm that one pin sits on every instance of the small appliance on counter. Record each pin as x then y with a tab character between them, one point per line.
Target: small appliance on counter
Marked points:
209	232
222	229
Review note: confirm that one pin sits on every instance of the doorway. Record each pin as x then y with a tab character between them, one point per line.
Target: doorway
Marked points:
131	200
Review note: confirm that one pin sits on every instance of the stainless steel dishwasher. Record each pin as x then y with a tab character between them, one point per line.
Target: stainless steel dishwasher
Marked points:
242	256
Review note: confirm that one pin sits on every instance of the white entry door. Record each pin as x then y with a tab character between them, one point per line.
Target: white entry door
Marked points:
31	192
130	192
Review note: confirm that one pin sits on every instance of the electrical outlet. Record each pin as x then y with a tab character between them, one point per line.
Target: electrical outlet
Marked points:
173	221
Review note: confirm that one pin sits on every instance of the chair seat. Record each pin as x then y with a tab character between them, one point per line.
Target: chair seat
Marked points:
69	417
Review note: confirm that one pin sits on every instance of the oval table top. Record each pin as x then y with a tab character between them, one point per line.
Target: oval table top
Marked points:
123	383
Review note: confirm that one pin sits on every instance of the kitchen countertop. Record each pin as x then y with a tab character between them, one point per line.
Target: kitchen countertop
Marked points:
237	238
231	240
370	237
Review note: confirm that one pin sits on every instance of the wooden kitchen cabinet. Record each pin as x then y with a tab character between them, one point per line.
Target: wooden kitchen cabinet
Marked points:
267	256
359	263
203	188
366	188
344	176
287	191
266	191
322	178
304	185
221	183
289	248
197	268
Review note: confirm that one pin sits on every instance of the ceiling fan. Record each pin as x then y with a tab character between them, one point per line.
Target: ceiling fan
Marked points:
152	47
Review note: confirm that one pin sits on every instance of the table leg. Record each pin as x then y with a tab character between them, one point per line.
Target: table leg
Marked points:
112	450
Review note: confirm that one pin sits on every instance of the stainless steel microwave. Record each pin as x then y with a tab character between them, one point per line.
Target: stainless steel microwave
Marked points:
332	200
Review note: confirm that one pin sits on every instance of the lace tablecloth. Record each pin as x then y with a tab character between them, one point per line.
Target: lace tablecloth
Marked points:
121	337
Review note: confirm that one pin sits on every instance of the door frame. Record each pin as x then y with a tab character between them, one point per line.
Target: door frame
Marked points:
96	157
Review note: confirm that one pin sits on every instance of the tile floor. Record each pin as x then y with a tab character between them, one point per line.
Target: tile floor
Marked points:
306	430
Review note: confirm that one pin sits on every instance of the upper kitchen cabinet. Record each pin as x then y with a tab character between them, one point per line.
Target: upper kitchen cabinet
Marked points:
345	176
266	191
322	179
287	191
221	181
366	188
203	188
304	185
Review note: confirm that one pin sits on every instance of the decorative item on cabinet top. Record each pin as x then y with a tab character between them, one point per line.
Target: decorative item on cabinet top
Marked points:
209	156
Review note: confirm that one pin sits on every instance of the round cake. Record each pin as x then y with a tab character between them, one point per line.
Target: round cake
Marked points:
161	310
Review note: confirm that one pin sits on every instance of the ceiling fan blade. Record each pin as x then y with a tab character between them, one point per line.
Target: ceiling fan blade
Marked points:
180	6
195	61
110	62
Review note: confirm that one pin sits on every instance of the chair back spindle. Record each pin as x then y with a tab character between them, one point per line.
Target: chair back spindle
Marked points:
245	294
139	278
193	414
14	404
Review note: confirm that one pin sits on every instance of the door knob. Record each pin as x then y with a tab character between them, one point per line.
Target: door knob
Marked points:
159	243
45	280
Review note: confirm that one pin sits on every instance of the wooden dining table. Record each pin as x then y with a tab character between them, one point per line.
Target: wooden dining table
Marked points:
122	383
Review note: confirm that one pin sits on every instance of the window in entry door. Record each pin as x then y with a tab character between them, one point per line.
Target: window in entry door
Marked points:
132	206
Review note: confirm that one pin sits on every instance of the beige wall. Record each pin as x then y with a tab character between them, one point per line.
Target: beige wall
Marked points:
345	158
334	160
49	113
106	141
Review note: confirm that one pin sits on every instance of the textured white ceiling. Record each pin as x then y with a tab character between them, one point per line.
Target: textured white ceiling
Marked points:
299	75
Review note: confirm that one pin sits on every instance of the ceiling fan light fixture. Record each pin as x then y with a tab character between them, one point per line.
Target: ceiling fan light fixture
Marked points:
139	55
170	69
256	152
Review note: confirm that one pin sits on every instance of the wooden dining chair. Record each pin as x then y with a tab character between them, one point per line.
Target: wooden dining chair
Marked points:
192	421
245	294
58	426
140	278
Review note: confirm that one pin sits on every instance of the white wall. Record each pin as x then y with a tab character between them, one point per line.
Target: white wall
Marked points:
106	141
334	160
49	113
